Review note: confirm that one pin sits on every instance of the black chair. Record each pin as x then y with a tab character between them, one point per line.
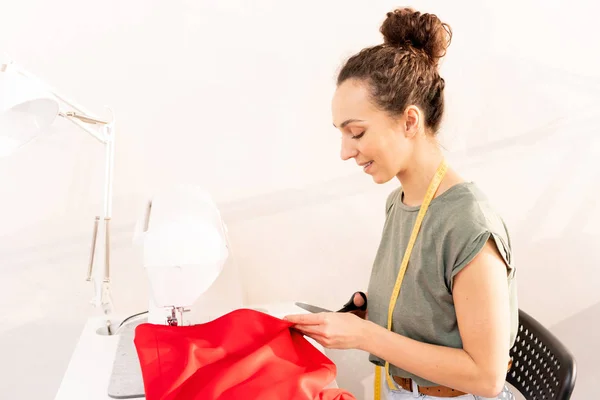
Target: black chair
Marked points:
542	367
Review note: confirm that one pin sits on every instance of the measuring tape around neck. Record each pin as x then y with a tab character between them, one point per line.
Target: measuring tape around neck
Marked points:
431	190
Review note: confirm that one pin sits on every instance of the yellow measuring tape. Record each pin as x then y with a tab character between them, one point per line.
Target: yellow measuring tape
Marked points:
433	187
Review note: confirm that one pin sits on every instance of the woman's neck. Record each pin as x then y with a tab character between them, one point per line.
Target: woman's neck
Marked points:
416	178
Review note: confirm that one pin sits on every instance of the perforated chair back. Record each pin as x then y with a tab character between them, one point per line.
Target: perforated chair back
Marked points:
542	367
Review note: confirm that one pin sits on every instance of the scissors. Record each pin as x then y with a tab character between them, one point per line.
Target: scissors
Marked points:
349	306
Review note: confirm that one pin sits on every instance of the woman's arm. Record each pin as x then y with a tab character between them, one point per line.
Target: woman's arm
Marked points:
481	300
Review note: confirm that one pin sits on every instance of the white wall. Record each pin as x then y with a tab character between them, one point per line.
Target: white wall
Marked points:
235	96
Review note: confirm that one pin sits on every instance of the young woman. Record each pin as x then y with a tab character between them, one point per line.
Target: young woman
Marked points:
448	330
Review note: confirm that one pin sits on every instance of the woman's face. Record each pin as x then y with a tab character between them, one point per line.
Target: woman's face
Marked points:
380	144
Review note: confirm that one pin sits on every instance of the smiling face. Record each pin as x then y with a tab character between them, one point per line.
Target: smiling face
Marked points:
381	145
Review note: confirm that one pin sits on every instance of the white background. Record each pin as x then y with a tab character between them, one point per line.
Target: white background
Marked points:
235	96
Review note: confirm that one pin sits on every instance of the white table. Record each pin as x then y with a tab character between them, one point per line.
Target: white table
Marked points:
90	367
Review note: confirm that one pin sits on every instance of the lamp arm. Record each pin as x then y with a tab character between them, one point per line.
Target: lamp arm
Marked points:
102	138
101	273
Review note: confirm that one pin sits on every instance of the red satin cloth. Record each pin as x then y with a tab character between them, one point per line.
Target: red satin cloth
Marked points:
244	355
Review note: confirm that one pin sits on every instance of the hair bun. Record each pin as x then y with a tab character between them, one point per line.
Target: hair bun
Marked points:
405	26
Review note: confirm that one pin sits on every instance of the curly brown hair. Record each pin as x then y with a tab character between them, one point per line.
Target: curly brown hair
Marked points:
403	70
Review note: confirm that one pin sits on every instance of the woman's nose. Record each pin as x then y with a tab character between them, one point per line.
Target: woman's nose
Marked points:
348	150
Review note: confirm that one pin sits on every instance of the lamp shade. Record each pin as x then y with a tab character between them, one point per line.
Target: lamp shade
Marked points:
26	110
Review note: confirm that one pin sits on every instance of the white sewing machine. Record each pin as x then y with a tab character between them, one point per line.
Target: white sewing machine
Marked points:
186	253
185	248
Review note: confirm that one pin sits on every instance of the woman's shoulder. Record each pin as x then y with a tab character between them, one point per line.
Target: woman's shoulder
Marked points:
465	202
466	215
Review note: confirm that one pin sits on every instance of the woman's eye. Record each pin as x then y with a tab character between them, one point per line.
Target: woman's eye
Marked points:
358	136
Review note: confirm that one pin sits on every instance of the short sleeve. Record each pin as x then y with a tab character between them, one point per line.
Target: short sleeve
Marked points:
468	237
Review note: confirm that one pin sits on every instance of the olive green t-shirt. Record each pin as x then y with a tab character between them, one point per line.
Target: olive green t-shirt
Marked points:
456	226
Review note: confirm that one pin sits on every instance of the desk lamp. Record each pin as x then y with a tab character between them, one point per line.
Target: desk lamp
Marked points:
27	108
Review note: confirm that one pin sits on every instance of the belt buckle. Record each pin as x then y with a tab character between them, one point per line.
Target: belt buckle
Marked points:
405	383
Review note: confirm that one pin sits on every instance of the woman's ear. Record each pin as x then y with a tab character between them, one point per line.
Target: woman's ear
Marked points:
412	121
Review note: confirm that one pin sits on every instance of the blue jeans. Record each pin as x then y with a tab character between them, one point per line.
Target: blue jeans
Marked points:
401	394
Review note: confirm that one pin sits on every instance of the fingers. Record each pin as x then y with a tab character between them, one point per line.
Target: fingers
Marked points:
306	319
310	330
323	341
315	334
358	300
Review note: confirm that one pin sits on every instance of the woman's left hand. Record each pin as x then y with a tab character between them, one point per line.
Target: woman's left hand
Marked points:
331	329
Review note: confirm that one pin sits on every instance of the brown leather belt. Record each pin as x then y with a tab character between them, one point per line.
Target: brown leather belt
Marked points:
439	391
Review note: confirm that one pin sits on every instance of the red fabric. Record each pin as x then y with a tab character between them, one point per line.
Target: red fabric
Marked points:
245	354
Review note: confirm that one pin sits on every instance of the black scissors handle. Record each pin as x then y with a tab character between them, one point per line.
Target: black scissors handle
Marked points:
350	306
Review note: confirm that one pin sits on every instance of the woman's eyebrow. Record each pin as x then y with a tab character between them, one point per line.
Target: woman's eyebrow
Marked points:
348	121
